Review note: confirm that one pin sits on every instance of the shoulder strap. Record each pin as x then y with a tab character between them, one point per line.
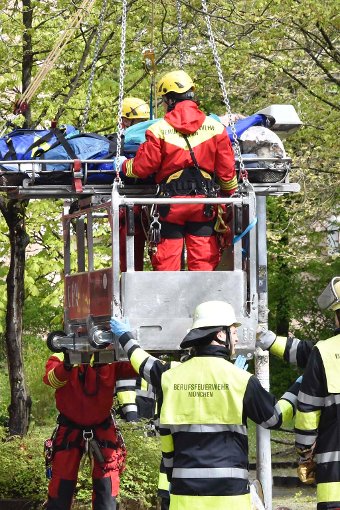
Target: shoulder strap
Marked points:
192	154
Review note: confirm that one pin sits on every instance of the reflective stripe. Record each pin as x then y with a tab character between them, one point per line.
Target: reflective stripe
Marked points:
304	398
273	420
307	421
126	397
331	400
328	457
168	462
129	168
138	357
293	351
131	343
167	443
242	502
125	382
287	410
148	366
327	492
54	381
163	483
291	397
278	347
240	429
210	473
305	440
228	185
130	408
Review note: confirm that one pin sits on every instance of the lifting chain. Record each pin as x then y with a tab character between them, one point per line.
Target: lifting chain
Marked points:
180	33
93	66
121	89
243	172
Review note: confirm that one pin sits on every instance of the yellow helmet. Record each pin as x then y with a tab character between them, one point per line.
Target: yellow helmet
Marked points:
176	81
135	108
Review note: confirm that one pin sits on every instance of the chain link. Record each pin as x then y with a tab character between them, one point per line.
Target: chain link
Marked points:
243	172
121	88
180	33
93	67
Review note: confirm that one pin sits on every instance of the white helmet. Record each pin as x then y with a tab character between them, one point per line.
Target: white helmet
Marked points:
208	318
330	297
214	313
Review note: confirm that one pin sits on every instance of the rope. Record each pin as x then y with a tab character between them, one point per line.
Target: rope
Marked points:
121	88
243	173
56	51
180	33
93	67
245	231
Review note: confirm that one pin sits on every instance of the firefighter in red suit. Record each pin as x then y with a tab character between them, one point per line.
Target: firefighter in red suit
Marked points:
83	395
187	152
134	111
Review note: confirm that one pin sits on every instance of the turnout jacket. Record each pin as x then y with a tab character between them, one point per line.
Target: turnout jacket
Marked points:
204	406
84	394
318	418
292	350
165	151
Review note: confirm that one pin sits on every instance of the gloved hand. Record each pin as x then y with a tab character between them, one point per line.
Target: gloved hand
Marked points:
306	471
119	327
264	337
119	162
241	362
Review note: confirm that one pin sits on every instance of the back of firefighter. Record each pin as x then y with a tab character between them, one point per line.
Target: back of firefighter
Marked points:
189	154
317	424
134	111
205	403
83	395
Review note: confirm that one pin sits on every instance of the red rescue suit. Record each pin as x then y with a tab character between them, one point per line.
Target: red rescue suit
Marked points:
83	397
167	155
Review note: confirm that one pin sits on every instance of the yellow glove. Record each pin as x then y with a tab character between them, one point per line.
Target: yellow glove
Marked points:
306	471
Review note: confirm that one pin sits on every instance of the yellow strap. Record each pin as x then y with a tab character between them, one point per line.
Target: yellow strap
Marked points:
220	226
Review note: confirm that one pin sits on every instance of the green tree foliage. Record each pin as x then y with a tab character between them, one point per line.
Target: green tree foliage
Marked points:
270	52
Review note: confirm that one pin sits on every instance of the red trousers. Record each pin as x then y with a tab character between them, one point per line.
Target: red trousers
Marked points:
65	466
186	223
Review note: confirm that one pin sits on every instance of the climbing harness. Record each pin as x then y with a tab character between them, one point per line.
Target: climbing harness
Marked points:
93	66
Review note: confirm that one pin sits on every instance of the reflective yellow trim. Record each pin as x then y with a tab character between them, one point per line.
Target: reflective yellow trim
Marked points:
287	411
330	354
278	347
164	131
327	492
144	384
126	397
129	168
307	421
163	482
176	175
228	185
54	381
167	443
214	502
137	358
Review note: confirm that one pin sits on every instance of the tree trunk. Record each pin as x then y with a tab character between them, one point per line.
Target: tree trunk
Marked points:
19	409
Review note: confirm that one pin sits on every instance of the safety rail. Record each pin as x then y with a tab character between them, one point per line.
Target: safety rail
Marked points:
30	179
